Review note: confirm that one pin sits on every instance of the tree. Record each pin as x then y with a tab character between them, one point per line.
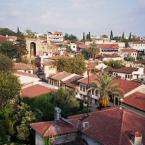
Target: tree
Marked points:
17	117
20	46
114	64
72	65
66	100
85	53
123	36
6	64
84	37
70	37
30	34
94	51
44	105
130	37
7	31
106	86
7	48
111	35
9	87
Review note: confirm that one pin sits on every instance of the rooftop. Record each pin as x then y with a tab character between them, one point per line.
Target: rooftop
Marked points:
61	75
35	90
111	126
136	100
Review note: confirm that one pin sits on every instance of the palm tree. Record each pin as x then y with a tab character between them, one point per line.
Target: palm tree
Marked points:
94	51
105	86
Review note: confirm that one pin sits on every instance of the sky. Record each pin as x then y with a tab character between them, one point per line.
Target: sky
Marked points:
75	16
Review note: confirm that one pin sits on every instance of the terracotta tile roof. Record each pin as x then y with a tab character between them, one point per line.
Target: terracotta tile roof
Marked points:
136	100
113	126
22	66
125	70
128	50
35	90
73	82
127	85
61	75
57	57
53	128
91	64
107	46
92	78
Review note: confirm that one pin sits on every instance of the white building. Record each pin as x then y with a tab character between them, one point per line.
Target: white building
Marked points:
55	37
139	46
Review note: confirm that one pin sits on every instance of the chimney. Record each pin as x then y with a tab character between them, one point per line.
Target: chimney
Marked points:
138	138
57	114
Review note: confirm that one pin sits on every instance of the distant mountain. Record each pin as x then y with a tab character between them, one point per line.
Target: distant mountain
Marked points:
7	31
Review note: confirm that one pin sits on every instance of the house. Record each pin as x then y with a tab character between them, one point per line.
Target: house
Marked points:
83	88
135	101
128	73
57	79
27	78
128	52
55	37
108	48
113	126
139	46
22	67
7	38
49	68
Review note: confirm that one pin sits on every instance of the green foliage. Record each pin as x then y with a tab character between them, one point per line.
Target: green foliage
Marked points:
7	31
70	37
17	116
114	64
111	35
30	34
9	87
94	51
129	59
6	63
20	47
106	86
72	65
7	48
85	53
44	105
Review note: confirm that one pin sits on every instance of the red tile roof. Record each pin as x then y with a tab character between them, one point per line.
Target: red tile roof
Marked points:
107	46
112	126
53	128
92	79
128	50
127	85
35	90
136	100
125	70
61	75
22	66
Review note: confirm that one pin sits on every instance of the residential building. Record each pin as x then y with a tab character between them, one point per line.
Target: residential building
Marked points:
113	126
55	37
128	52
139	46
128	73
22	67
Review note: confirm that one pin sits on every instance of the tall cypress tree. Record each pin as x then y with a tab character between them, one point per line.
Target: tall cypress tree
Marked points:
111	35
123	36
84	37
130	36
89	36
